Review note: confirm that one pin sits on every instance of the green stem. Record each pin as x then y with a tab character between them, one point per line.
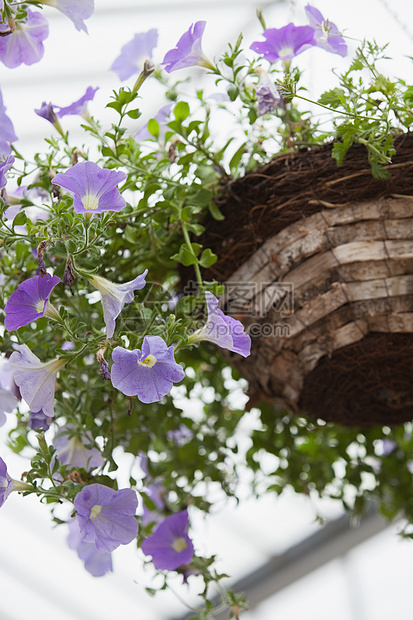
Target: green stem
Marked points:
366	118
196	265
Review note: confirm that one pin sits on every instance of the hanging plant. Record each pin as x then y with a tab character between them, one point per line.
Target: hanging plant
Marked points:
158	270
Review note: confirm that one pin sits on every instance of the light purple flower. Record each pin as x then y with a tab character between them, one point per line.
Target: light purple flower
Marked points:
268	97
4	168
6	483
25	44
134	53
96	562
39	421
106	517
79	106
93	188
188	51
33	213
162	116
387	446
6	378
75	450
326	34
284	43
115	296
225	331
35	379
46	111
7	133
149	374
180	436
170	545
31	301
156	493
75	10
9	392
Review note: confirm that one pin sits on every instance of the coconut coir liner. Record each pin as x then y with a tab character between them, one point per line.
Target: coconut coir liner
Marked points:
365	384
291	187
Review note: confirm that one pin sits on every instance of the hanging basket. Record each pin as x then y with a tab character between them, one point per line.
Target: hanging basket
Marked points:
318	265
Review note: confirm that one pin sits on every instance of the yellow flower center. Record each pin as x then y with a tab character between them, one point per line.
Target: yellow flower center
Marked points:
179	544
286	51
95	511
149	361
90	202
40	305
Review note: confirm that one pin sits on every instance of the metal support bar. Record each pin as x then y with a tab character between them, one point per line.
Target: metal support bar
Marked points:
333	540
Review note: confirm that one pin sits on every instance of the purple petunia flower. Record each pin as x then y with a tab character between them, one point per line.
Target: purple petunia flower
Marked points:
106	517
134	53
9	392
47	111
79	106
188	51
268	97
25	44
75	10
387	446
225	331
39	421
7	134
93	188
161	117
75	451
96	562
170	545
35	379
284	43
149	374
6	483
115	296
156	493
180	436
4	168
326	34
31	301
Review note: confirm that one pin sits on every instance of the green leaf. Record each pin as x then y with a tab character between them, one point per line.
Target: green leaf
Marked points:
236	158
208	258
134	113
340	150
20	219
197	229
202	198
186	159
153	127
378	171
181	111
115	105
107	152
126	96
233	92
186	256
333	98
215	212
175	125
356	65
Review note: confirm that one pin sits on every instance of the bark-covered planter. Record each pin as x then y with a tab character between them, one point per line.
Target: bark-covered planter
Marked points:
318	263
